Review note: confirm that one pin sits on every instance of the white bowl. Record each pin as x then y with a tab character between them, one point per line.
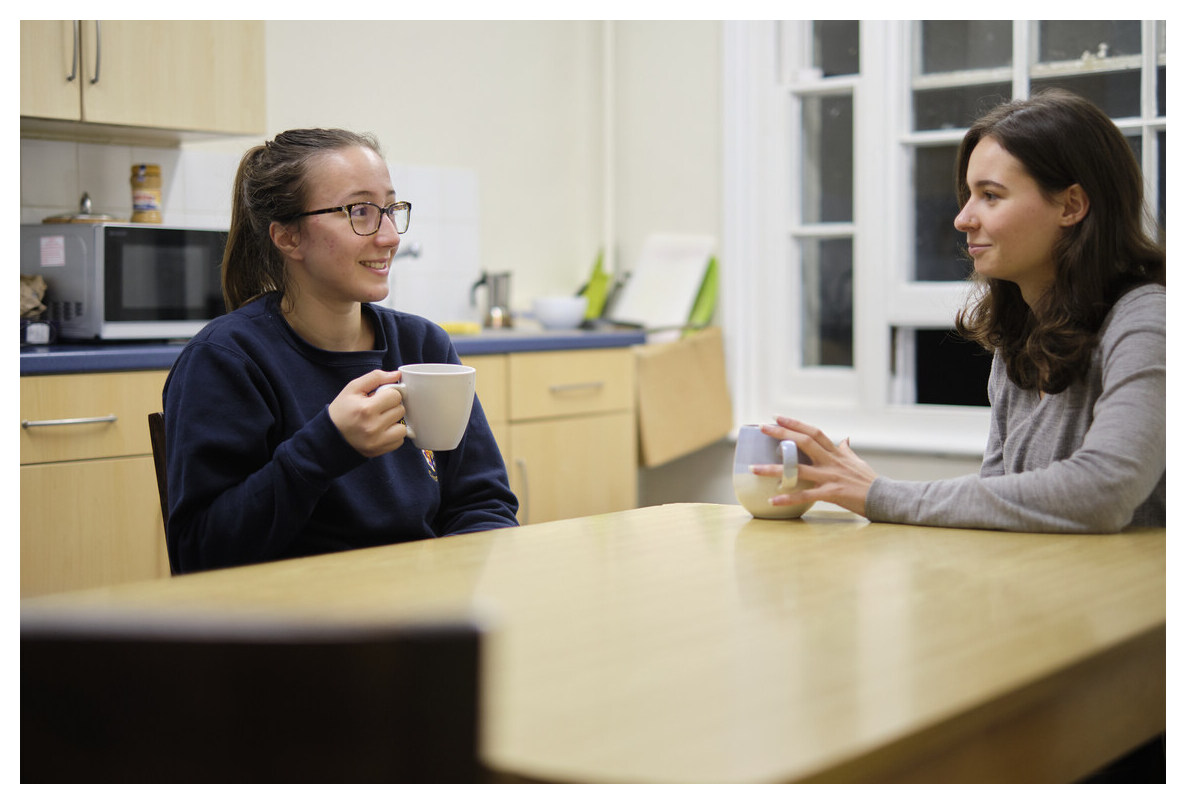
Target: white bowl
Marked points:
560	312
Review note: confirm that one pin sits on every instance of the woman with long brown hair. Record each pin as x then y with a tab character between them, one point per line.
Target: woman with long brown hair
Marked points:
1071	302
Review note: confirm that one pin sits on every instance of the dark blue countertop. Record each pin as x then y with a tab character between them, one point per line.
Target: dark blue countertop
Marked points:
75	358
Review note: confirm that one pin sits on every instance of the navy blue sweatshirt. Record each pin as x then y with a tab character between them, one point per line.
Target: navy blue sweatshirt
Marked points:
257	470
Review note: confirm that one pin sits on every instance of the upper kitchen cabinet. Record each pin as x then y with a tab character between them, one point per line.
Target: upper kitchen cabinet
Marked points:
123	79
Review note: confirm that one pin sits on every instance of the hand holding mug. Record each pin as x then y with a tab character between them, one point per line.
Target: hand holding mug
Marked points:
836	473
372	424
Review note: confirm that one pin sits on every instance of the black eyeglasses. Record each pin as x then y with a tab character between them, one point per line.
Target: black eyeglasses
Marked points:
366	217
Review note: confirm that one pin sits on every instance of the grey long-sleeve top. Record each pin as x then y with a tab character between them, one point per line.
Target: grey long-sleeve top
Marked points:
1088	460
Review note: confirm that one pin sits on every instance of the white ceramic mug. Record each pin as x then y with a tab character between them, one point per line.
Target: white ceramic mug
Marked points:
438	398
755	448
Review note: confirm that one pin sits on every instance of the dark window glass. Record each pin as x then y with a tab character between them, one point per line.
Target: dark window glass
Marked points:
827	159
1118	94
1161	179
956	45
827	302
948	369
837	46
956	107
1072	40
938	246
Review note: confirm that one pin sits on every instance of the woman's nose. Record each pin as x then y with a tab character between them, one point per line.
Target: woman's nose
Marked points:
964	220
387	232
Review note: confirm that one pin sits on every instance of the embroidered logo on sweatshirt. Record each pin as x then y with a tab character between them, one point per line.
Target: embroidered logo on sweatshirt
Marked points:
432	464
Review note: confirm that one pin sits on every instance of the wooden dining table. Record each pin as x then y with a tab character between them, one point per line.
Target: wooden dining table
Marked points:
693	643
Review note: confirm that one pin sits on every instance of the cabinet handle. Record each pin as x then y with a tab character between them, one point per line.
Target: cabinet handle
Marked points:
74	55
571	387
25	423
98	52
524	499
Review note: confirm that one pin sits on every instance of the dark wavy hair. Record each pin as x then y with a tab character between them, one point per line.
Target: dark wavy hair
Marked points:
1062	139
271	185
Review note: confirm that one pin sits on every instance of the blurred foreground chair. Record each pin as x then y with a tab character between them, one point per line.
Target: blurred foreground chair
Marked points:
233	700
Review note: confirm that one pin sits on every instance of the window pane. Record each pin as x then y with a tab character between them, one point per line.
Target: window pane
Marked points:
954	45
1118	94
938	255
1161	180
1098	59
827	159
837	46
1072	40
1161	68
956	107
948	370
827	302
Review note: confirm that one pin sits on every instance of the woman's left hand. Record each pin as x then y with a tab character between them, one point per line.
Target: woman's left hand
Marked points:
839	474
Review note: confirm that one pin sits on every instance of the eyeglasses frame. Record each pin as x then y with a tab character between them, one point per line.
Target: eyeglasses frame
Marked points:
388	210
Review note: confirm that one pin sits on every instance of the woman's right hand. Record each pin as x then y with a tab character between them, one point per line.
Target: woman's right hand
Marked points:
369	416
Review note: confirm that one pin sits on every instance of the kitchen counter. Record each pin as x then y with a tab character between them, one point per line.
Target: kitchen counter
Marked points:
77	358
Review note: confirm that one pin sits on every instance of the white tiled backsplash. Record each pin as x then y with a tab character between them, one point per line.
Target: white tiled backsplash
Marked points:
196	191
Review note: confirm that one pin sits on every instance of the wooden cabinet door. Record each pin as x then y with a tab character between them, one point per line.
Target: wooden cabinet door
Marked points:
569	467
48	54
90	523
191	75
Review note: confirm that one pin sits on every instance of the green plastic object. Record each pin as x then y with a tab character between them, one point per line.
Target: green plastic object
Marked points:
596	290
706	300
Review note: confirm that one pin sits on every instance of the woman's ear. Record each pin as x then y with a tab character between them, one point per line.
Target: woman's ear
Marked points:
1075	205
286	238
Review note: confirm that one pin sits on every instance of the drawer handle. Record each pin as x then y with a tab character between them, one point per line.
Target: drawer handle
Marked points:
59	422
573	387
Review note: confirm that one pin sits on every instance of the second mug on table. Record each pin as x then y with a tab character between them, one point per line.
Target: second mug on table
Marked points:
755	448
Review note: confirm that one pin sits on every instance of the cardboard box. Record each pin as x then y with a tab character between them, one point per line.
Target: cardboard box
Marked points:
683	396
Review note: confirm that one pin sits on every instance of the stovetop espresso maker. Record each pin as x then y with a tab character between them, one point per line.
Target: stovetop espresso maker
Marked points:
498	299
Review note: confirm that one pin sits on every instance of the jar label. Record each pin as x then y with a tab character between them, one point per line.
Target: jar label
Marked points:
145	201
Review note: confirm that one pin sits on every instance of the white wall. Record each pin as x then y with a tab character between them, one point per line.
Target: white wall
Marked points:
667	131
516	102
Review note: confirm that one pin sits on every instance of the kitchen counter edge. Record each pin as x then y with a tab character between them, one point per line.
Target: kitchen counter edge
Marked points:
80	358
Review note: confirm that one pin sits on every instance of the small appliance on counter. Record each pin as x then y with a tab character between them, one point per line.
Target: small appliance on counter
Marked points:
498	299
120	281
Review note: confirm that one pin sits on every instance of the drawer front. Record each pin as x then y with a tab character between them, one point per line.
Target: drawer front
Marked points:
547	384
491	384
90	523
113	409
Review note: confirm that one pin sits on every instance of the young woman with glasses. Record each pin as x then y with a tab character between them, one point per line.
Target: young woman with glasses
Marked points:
1072	304
277	444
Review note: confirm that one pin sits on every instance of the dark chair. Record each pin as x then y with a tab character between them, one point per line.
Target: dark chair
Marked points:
237	700
156	434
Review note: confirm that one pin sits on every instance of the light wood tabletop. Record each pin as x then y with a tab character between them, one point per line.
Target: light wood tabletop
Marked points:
691	643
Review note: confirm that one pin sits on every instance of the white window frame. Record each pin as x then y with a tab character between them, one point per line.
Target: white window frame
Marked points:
763	77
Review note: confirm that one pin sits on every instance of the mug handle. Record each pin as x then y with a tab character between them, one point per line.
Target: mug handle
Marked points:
790	465
403	389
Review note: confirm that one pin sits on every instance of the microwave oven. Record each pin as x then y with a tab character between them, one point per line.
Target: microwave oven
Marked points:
126	281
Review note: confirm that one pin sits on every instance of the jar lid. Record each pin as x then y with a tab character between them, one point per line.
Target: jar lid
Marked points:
146	170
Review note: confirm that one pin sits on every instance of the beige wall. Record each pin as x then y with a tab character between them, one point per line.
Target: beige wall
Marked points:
517	102
667	131
522	104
